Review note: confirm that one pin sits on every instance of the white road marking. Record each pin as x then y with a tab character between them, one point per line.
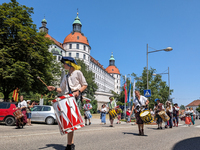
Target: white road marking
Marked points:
197	126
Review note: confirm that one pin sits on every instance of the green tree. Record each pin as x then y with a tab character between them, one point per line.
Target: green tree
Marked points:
198	109
159	88
24	52
92	86
182	107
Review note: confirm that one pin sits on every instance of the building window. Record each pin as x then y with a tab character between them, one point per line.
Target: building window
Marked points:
112	69
84	56
77	46
77	55
70	55
77	37
70	46
84	47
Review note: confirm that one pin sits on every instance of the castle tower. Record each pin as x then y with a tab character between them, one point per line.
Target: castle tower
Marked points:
76	44
114	71
44	28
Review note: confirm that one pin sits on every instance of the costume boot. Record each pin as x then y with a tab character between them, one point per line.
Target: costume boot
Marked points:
142	132
177	124
174	123
70	147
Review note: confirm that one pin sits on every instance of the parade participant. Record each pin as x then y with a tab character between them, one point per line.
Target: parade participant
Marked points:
159	107
175	114
187	116
28	111
103	114
87	115
128	112
192	114
138	102
22	106
111	105
74	82
119	112
152	113
169	110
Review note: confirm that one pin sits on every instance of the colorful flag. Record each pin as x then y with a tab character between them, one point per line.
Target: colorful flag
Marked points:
133	91
125	91
129	92
15	94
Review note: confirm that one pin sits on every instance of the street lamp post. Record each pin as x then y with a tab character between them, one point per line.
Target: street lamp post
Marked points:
168	81
166	49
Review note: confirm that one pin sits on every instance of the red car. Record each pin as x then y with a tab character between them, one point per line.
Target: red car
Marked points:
6	113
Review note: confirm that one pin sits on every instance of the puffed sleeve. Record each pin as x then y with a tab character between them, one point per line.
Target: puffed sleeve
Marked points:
81	78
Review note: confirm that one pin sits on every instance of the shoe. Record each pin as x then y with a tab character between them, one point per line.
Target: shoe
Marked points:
166	126
176	125
89	123
170	127
117	123
160	127
70	147
86	124
17	127
111	125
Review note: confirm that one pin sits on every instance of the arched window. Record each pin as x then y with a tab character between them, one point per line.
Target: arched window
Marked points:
84	56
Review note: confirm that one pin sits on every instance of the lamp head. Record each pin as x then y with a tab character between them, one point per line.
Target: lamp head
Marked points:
168	49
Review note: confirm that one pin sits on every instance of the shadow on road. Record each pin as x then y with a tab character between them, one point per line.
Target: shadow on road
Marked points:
55	146
136	134
191	143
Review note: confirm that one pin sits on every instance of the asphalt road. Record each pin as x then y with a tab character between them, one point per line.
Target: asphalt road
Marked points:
101	137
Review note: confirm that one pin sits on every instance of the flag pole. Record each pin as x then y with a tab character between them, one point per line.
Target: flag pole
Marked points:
125	100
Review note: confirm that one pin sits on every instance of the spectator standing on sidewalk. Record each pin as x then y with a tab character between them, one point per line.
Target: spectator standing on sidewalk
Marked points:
103	114
128	112
28	112
87	107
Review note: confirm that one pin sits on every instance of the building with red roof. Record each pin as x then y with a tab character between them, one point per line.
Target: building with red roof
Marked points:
195	104
76	45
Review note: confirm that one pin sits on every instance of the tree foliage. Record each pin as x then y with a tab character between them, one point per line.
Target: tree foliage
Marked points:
198	109
24	52
182	107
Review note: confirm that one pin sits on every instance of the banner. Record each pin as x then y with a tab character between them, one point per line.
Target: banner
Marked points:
15	94
125	91
129	92
133	93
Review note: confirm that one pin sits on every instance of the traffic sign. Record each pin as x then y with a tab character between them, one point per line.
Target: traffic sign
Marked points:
147	93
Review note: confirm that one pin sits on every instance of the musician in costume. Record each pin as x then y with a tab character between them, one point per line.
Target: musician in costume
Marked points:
111	107
119	112
169	111
159	107
74	82
175	114
187	116
87	107
192	114
138	103
22	105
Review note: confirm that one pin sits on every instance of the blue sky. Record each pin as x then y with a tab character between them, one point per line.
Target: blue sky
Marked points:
125	28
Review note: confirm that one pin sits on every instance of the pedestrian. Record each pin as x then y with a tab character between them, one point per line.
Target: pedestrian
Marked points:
22	106
87	107
187	116
192	114
159	107
74	82
175	114
111	107
28	112
119	112
138	103
128	112
103	114
169	111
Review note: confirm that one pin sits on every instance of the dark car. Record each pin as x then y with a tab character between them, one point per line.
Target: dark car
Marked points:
6	113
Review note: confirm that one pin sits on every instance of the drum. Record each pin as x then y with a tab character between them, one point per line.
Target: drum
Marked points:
18	114
113	113
67	114
163	115
88	114
146	116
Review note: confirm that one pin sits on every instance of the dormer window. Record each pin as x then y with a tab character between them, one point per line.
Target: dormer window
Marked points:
77	37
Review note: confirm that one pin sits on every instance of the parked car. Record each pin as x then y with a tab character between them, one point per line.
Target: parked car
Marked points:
43	113
6	113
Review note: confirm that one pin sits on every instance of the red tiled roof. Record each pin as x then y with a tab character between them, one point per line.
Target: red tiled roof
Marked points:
76	37
96	62
55	41
194	103
112	69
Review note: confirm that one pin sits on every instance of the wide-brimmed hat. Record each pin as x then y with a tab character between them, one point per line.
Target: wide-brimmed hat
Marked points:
175	104
28	100
86	99
111	97
167	102
71	62
157	99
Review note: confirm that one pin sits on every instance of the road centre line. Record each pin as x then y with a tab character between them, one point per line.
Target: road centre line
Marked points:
37	134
